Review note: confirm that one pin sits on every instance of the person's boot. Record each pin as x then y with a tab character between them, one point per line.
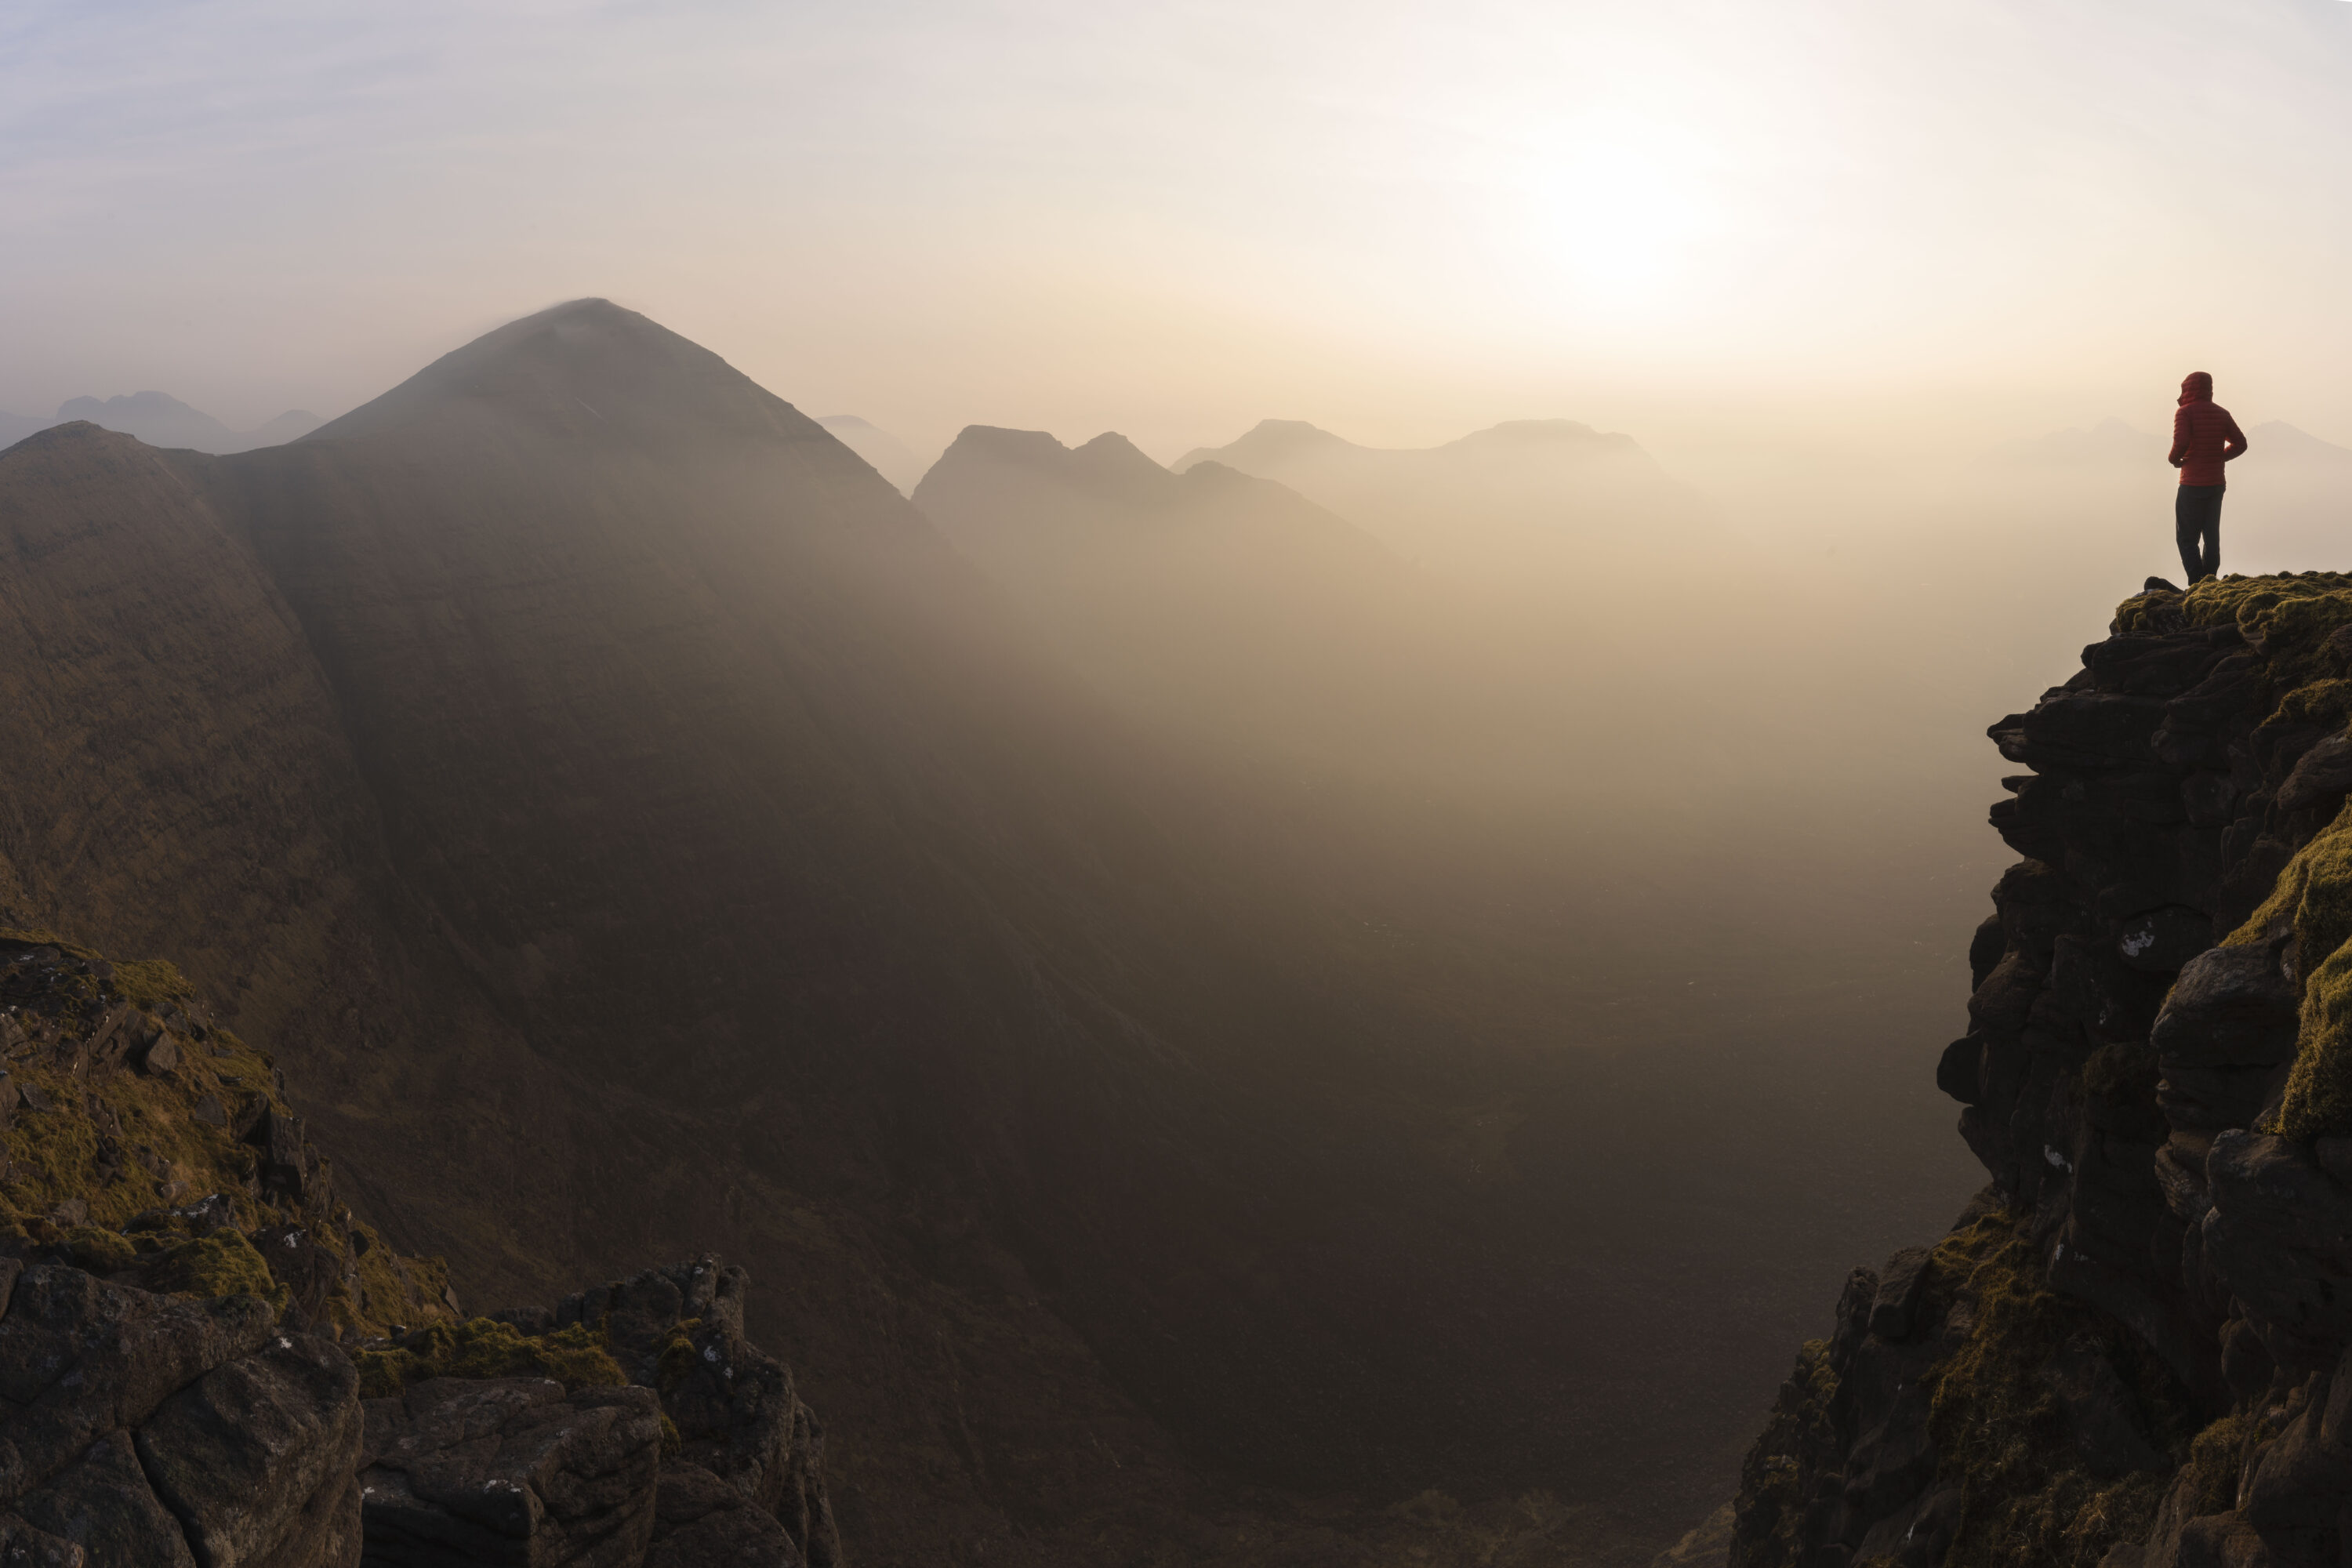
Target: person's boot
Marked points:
2157	585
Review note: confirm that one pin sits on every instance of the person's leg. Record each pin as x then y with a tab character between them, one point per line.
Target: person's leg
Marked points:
2187	520
2212	533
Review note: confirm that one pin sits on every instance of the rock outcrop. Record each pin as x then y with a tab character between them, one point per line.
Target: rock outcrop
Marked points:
2132	1350
206	1360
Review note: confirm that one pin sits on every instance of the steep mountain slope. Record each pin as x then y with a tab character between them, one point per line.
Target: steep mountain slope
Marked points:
638	833
2131	1351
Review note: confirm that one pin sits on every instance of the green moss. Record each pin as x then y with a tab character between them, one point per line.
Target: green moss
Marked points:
100	1251
1778	1476
672	1443
2288	614
2000	1431
2292	618
2208	1481
679	1356
33	936
2313	896
151	982
221	1263
481	1347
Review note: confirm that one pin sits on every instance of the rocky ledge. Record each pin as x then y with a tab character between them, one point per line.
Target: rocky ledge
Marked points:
2135	1349
206	1360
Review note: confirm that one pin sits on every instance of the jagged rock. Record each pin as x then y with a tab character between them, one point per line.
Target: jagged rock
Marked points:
2280	1233
104	1505
86	1358
2176	1282
2162	941
702	1521
1898	1291
510	1470
1959	1072
259	1455
2100	1409
23	1545
681	1328
2233	1007
2083	729
2323	773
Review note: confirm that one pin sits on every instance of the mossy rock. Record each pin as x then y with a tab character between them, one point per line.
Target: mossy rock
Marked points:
222	1264
2001	1433
2294	619
149	983
100	1251
679	1356
575	1357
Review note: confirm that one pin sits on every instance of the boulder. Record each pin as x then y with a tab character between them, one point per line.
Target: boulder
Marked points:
2233	1007
247	1455
701	1521
509	1471
104	1505
1899	1285
2323	773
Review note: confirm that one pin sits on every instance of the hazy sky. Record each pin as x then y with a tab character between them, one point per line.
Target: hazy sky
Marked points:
1687	218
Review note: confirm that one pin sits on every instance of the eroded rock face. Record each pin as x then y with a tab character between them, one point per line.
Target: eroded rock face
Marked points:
151	1429
2152	1306
681	1330
510	1470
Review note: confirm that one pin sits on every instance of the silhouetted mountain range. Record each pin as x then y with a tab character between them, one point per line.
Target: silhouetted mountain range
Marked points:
1230	610
637	832
2112	443
163	421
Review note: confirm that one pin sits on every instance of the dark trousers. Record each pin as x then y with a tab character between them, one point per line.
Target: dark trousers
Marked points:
2197	528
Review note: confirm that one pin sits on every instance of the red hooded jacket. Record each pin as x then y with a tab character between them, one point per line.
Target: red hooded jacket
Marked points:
2204	437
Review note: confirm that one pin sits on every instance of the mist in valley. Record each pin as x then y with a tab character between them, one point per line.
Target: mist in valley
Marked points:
1252	739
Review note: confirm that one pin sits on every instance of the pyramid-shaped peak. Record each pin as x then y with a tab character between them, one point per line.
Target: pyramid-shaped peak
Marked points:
1112	456
586	368
1269	441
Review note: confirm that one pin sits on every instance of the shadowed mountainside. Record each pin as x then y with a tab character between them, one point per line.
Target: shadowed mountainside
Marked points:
638	834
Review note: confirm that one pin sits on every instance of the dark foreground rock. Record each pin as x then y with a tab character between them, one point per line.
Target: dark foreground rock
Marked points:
138	1428
2135	1350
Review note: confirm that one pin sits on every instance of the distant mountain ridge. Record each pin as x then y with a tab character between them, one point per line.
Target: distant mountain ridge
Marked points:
1320	630
1484	505
161	420
2112	442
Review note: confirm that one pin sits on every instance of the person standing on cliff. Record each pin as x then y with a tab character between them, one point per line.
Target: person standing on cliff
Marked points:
2204	437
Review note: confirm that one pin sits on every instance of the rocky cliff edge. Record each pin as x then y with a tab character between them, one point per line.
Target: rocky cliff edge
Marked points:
2134	1348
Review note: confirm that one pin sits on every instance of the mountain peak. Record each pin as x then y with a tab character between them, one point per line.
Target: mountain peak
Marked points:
1267	441
587	369
1524	434
1112	456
